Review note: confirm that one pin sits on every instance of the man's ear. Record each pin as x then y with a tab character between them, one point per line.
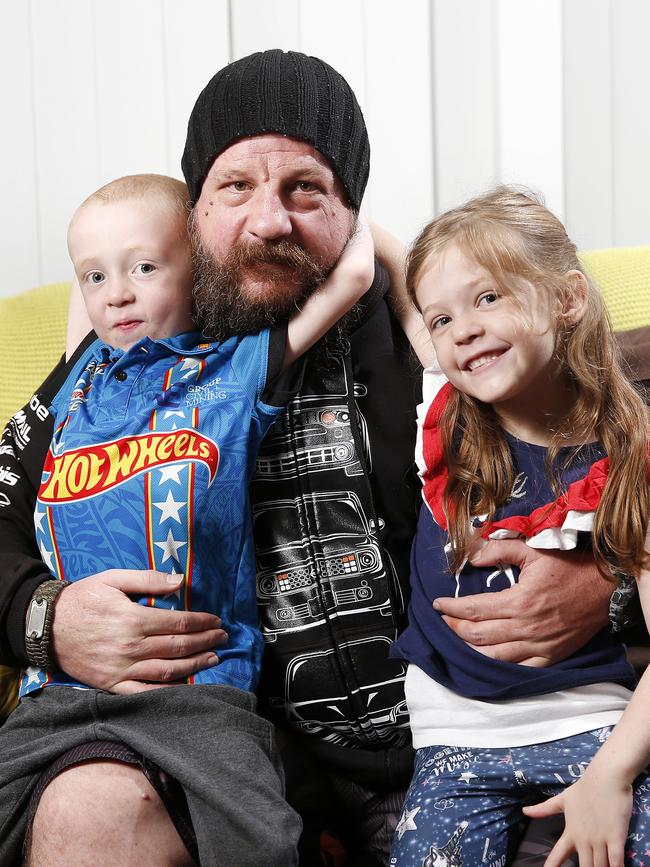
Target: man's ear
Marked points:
576	297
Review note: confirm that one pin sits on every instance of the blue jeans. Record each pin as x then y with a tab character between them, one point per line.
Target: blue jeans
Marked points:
463	807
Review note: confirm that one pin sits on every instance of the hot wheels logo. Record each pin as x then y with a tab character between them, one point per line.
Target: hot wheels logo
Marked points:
85	472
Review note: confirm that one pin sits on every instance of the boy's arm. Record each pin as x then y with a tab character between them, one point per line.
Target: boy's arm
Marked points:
348	281
392	253
597	808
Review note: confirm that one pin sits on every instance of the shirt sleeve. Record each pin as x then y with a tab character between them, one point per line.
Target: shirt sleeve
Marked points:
23	447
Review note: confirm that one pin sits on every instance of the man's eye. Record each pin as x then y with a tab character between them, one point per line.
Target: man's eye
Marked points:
95	277
305	186
239	186
488	298
145	268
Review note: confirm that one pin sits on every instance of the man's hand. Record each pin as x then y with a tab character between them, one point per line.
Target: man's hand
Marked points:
560	602
104	639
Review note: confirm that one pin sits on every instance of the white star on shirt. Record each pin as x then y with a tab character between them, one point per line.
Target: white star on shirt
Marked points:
170	412
46	557
170	473
407	822
169	509
176	593
33	675
170	547
38	519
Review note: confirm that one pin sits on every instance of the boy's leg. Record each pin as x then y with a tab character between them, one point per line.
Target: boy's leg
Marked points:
70	826
211	741
462	809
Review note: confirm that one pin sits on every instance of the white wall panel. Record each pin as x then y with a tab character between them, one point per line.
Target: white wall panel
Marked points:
19	245
465	99
257	25
530	112
588	139
192	55
130	88
399	107
68	129
631	121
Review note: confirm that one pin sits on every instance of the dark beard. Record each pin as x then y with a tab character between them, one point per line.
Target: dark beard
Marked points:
224	305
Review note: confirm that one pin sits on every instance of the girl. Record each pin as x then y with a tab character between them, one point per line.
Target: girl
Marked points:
530	429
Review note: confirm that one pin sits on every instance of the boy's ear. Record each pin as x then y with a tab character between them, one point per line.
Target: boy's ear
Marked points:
576	297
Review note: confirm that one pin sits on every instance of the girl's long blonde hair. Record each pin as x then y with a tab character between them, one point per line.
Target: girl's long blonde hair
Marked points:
511	234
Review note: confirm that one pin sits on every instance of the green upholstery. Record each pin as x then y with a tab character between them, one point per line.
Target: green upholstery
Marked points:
32	339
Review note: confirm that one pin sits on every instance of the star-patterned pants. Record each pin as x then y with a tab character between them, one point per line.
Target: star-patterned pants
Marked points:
463	807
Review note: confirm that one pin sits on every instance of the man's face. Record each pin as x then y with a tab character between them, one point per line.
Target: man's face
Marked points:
270	223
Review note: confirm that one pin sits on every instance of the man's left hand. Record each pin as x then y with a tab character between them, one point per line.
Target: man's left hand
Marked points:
560	602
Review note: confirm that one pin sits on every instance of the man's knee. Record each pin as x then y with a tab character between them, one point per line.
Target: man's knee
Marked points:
101	812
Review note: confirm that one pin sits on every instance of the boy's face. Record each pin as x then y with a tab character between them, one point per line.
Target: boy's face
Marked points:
133	262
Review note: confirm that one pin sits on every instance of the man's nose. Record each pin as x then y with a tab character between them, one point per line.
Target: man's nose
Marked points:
268	218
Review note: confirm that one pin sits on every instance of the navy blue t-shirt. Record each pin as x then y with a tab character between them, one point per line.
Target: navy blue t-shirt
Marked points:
431	645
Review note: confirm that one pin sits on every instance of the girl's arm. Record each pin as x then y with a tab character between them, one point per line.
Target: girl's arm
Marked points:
348	281
392	253
597	808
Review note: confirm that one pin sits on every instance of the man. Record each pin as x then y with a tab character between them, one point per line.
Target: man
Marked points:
276	161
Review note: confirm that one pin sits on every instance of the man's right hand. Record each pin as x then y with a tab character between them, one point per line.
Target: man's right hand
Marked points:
104	639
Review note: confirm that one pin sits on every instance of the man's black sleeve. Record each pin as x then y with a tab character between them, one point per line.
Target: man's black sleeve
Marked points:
23	447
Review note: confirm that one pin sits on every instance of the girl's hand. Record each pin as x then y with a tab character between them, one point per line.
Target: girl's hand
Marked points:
597	812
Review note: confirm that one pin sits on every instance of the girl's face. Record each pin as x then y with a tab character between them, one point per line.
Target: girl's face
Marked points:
487	345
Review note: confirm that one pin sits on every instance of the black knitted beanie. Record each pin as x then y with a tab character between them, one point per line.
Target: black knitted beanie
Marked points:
283	92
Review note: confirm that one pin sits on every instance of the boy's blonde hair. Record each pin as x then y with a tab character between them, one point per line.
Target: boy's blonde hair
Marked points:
166	190
511	234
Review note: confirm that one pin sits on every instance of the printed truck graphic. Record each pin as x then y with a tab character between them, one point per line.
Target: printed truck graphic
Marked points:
312	708
314	438
298	579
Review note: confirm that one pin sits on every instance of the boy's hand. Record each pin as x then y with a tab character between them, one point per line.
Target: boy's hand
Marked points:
597	816
104	639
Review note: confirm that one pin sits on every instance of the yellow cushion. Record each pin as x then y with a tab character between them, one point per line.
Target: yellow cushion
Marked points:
32	339
623	274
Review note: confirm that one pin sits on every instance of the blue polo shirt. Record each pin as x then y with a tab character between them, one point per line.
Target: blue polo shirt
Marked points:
149	467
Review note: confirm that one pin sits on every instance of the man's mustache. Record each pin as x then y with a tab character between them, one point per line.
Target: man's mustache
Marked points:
285	254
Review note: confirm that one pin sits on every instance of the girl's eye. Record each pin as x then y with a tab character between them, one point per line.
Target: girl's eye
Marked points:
145	268
95	277
439	322
488	298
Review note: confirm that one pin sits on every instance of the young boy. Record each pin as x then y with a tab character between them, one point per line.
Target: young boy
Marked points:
149	465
